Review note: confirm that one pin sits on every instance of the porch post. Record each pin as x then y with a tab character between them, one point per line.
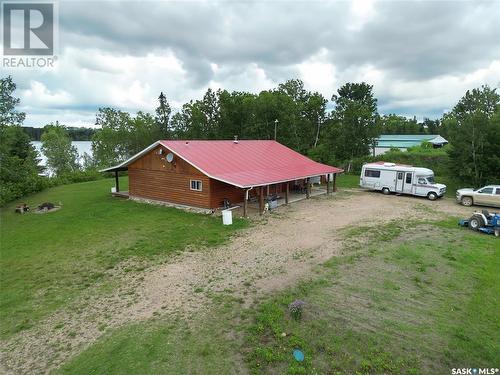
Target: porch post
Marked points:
117	185
335	182
308	188
245	203
328	183
287	189
261	200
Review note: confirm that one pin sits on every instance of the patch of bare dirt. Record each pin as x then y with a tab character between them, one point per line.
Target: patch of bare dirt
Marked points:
277	251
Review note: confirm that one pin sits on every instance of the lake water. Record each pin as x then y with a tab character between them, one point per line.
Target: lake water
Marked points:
81	146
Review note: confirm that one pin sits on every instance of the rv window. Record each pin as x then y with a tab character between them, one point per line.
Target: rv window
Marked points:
400	175
422	181
372	173
408	178
498	191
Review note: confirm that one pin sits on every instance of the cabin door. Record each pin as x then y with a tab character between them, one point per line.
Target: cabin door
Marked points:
408	183
399	181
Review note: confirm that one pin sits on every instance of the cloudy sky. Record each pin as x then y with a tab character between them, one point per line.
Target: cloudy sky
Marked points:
420	56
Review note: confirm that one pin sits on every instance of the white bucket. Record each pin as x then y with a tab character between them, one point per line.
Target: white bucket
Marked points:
227	217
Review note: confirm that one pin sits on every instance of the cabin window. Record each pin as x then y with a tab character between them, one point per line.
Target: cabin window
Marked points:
372	173
196	185
400	175
408	178
422	181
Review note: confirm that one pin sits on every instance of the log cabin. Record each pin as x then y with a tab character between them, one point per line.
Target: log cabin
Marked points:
211	174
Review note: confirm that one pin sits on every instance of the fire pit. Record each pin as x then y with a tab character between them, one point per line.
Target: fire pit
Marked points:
47	207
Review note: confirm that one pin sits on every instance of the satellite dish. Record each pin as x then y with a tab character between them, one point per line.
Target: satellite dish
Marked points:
170	157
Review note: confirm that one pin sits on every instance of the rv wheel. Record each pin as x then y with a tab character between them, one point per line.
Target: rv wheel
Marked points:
386	191
432	196
476	222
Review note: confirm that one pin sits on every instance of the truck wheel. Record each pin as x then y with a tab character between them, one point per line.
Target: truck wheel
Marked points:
432	196
476	222
386	191
467	201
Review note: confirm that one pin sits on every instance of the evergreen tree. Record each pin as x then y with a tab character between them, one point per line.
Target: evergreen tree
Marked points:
163	112
18	158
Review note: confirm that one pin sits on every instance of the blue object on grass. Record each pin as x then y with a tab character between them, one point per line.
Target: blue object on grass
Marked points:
298	355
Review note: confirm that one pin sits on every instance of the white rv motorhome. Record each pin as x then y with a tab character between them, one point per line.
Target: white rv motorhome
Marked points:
403	179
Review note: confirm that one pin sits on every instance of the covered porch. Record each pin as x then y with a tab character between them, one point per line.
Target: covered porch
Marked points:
267	197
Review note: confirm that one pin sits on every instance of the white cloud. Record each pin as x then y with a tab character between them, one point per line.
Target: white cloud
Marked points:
38	95
319	74
362	11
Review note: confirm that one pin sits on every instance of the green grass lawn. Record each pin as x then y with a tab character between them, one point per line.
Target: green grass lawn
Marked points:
47	260
345	180
419	299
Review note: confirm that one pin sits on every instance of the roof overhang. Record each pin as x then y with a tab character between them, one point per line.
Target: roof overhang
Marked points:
124	166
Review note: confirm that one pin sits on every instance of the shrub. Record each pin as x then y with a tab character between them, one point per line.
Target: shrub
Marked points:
295	309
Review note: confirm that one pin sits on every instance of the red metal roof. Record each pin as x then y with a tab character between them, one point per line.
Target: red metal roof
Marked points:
244	163
247	163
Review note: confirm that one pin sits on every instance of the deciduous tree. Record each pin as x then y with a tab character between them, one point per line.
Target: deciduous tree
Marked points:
473	126
61	156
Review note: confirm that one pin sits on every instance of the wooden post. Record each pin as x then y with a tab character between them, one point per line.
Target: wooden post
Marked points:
287	189
334	182
117	185
261	200
308	188
328	183
245	202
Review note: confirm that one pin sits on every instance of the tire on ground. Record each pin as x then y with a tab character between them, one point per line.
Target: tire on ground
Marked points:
467	201
432	196
476	222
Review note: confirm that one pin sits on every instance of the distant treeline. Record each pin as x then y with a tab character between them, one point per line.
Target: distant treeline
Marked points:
75	134
289	113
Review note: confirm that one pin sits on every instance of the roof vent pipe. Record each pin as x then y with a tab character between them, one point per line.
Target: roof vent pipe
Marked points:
235	139
187	142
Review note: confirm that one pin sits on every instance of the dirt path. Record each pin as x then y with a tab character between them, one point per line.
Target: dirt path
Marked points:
276	252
